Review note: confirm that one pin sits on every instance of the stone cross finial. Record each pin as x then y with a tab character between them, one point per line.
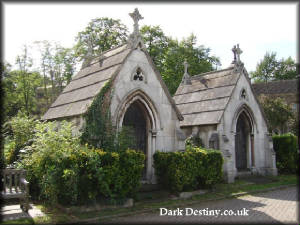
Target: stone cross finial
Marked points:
186	65
136	16
238	52
234	50
186	76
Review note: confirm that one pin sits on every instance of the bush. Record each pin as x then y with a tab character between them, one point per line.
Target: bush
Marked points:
287	155
121	173
56	161
21	129
61	170
189	170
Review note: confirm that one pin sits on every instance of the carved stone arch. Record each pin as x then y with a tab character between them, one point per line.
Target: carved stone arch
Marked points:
243	127
240	109
127	100
139	72
139	99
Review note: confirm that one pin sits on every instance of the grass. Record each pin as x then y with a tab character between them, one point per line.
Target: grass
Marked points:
150	204
19	221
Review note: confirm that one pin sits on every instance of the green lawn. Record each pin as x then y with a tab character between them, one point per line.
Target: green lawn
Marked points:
153	203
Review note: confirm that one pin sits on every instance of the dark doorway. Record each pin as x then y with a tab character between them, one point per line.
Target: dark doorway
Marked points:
242	139
135	119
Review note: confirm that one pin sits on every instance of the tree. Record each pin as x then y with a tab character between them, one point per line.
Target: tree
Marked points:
270	68
58	65
278	113
11	100
64	66
286	70
157	44
26	81
197	56
100	35
20	87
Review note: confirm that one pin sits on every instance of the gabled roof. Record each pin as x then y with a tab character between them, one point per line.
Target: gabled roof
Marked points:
204	100
80	92
277	87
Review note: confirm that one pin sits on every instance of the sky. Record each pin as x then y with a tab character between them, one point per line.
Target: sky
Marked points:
256	27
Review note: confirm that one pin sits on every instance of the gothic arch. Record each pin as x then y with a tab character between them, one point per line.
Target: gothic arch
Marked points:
152	119
142	97
243	126
246	109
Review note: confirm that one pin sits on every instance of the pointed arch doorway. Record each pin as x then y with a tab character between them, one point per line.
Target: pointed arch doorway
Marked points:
137	122
244	143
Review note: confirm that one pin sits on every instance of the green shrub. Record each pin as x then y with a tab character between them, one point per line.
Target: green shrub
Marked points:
121	173
61	170
189	170
287	155
56	161
9	150
22	130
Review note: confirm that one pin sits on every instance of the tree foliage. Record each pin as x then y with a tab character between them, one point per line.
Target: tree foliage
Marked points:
198	58
278	113
168	55
157	44
270	68
20	86
100	35
58	64
26	81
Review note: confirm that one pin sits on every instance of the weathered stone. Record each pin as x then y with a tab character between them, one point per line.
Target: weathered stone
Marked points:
128	203
185	195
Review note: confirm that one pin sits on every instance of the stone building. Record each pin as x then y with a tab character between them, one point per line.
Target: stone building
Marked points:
219	107
287	90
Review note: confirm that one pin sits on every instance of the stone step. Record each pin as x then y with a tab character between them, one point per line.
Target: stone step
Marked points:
245	173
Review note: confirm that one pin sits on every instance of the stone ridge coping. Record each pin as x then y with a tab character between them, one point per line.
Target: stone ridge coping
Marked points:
183	204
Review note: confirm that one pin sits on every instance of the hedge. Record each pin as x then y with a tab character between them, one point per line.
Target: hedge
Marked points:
287	155
121	173
189	170
61	170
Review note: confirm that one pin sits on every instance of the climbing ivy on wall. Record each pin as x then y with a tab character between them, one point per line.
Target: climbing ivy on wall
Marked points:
98	130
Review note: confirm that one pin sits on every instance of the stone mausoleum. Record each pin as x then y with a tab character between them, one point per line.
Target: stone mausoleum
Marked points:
220	107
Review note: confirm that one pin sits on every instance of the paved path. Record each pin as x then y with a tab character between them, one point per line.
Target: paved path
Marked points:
14	212
279	206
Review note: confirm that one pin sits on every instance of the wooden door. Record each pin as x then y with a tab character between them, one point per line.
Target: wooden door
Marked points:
241	144
136	120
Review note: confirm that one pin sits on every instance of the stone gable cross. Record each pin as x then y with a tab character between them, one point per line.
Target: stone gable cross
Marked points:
236	53
136	16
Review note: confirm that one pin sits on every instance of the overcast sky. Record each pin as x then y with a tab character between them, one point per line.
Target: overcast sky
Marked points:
256	27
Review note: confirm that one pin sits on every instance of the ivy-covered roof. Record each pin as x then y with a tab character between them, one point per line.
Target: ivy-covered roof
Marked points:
204	100
87	83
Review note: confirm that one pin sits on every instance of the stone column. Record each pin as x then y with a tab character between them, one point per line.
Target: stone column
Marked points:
150	161
273	170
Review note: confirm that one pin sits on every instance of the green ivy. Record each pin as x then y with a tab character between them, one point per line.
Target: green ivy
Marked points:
98	131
